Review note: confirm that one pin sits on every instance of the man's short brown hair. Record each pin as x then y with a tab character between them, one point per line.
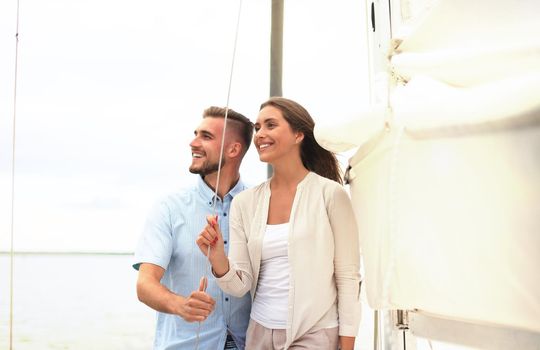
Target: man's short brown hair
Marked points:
239	122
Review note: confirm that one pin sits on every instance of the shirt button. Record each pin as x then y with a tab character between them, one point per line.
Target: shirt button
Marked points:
224	242
226	299
224	214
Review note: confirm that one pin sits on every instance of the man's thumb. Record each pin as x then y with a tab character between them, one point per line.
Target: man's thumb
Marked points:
202	284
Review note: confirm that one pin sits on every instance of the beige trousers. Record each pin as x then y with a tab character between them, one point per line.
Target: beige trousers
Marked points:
261	338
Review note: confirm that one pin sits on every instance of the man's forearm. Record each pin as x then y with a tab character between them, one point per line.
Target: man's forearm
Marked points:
158	297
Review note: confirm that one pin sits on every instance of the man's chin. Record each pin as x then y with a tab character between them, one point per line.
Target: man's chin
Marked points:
195	170
206	168
203	171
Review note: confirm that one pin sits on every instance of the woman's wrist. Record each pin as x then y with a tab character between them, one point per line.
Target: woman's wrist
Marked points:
346	343
220	265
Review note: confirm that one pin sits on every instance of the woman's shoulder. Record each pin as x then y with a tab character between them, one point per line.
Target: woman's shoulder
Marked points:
325	183
331	191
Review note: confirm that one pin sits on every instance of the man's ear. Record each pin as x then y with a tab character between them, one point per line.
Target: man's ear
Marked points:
234	150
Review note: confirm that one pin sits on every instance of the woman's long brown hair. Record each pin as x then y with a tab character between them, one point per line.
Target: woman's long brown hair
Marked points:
314	157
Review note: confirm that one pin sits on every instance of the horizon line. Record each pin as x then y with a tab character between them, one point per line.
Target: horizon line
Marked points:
45	252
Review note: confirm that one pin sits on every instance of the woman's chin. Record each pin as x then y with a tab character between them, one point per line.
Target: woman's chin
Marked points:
263	158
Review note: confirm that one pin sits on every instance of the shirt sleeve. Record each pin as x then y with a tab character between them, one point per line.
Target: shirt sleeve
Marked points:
346	261
237	281
156	242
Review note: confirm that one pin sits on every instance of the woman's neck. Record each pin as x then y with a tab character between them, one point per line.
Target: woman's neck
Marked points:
289	175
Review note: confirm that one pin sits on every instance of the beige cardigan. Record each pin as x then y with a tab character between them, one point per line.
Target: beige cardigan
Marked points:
324	258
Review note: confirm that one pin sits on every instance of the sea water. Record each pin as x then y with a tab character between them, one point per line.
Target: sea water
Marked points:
89	301
73	301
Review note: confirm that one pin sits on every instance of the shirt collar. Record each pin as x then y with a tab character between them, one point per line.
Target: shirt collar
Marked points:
208	193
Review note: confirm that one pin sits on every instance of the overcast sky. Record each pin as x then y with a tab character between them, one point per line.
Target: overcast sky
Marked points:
111	90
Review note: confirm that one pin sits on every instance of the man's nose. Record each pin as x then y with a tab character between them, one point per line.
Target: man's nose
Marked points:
194	143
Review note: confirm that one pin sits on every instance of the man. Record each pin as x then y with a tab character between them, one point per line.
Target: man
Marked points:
169	262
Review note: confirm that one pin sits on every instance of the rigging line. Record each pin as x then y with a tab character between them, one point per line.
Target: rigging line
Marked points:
369	9
227	104
222	146
11	289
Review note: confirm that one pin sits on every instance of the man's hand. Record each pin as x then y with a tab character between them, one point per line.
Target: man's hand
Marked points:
198	305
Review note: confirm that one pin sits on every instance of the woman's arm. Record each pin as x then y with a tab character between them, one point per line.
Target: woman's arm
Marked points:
346	265
211	238
346	343
233	274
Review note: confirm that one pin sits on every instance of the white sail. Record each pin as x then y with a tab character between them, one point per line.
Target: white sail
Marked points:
446	178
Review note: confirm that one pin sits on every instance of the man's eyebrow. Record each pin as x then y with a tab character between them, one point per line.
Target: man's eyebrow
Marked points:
203	133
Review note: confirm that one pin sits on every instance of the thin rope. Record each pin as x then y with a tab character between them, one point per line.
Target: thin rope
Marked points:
370	74
227	105
11	289
393	213
208	265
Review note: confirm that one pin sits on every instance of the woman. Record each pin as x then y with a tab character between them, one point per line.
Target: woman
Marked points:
294	241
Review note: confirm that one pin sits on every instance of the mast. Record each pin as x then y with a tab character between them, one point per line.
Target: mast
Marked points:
276	55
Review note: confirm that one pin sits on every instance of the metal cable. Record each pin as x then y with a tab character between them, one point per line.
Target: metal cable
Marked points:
11	263
208	265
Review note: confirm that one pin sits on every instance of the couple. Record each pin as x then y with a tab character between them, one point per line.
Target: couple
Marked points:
292	242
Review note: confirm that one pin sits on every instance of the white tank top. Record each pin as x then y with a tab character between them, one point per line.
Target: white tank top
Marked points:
272	295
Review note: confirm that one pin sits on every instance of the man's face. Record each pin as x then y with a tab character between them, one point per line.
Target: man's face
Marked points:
205	146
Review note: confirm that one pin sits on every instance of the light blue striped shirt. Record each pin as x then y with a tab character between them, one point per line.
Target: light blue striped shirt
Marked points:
168	240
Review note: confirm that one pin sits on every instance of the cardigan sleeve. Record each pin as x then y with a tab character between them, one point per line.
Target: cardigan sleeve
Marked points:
237	281
346	261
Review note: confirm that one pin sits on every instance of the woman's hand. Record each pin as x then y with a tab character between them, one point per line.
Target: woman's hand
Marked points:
211	237
346	343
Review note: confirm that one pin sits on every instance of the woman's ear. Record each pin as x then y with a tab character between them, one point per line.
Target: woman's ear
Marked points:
299	137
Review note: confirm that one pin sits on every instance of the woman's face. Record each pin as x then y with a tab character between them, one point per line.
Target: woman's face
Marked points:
274	137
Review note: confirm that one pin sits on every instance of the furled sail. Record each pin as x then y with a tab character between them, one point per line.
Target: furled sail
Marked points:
446	178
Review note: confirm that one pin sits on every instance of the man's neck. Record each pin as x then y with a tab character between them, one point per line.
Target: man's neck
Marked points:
227	181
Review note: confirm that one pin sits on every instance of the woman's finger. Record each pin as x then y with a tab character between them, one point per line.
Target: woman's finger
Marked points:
219	235
211	219
203	243
209	236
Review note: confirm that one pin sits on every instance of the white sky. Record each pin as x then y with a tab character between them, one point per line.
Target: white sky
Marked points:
111	90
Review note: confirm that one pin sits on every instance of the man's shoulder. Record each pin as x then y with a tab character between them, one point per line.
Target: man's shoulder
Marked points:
179	197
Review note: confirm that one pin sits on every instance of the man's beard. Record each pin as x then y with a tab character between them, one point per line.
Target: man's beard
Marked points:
206	168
